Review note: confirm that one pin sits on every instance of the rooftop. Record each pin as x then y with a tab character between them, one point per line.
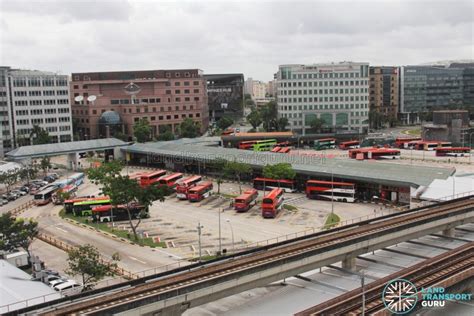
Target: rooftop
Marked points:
206	149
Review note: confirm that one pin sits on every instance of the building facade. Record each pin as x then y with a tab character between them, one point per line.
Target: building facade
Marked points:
427	88
225	93
257	89
33	98
449	125
383	91
106	104
337	93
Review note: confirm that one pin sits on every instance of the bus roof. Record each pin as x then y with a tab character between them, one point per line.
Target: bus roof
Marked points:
246	194
325	139
81	199
263	141
91	202
153	173
200	186
406	139
273	193
278	180
171	176
374	150
47	189
350	142
188	180
328	182
452	148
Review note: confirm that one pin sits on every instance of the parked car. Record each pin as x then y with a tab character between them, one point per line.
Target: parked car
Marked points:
24	188
54	175
49	179
19	193
57	282
12	196
40	183
3	201
50	278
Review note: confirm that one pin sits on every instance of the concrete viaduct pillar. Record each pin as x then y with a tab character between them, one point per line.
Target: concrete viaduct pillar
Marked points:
349	263
448	232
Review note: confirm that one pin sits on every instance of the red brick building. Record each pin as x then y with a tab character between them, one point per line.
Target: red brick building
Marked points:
113	101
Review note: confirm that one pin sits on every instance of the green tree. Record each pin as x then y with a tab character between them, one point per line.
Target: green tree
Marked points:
279	171
218	165
9	178
28	172
224	122
86	261
40	135
254	118
316	124
125	191
16	233
269	114
189	128
235	170
45	164
142	130
165	133
281	123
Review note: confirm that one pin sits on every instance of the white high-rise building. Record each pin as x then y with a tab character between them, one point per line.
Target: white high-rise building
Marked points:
34	98
337	93
6	134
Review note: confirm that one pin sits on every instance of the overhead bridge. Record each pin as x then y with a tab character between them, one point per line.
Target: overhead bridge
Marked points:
173	292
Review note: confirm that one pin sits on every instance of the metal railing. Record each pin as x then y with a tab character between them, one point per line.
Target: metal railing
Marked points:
21	208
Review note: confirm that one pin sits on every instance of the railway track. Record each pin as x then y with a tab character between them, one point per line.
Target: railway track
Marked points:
423	275
167	285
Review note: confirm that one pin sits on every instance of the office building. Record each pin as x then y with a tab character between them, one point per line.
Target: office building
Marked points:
425	89
106	104
29	98
337	93
383	91
257	89
225	93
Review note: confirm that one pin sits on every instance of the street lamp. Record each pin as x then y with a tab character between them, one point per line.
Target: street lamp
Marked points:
362	281
220	237
199	227
232	230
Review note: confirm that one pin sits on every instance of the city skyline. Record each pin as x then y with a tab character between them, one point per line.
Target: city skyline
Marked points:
230	37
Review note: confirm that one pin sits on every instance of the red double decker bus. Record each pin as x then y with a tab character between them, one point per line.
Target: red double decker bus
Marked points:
245	201
272	203
200	191
453	151
374	153
247	144
402	142
183	186
137	176
285	150
151	178
270	184
349	144
327	190
276	149
170	180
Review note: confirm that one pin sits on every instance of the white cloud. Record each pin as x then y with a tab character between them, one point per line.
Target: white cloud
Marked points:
227	36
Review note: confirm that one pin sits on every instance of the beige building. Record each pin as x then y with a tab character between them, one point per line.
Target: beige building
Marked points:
383	90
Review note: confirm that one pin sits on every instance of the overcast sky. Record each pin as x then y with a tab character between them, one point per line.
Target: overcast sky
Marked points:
247	37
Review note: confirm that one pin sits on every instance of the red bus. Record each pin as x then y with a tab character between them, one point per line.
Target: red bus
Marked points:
327	190
170	180
68	204
276	149
272	203
284	144
243	202
374	153
402	142
270	184
349	144
247	144
151	178
200	191
453	151
285	150
183	186
229	131
137	176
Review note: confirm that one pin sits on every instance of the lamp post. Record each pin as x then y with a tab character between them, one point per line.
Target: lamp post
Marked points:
362	281
199	227
232	230
220	238
332	190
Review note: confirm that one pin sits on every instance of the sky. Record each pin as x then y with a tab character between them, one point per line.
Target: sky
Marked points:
249	37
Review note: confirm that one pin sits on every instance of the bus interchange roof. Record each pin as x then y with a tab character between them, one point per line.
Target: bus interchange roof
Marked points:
206	149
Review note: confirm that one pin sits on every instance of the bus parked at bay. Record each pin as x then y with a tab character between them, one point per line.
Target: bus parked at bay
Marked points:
374	153
453	151
45	196
246	200
330	190
276	149
107	213
183	186
200	191
285	150
272	203
264	145
68	204
325	143
270	184
151	178
84	208
402	142
170	180
247	144
349	144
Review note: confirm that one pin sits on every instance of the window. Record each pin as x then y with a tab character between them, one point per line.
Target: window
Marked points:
198	114
177	91
187	99
196	98
178	99
176	117
186	91
168	91
186	83
196	91
34	82
177	83
196	83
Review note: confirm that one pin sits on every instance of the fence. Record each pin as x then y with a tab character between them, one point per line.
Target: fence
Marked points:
23	207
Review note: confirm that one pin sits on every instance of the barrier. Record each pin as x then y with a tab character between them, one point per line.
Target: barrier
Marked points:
20	209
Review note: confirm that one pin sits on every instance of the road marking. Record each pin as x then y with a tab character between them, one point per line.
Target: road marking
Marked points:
63	230
133	258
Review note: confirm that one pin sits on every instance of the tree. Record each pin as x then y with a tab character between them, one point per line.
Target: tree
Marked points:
279	171
224	122
16	233
165	133
316	124
236	169
189	129
218	165
269	114
125	191
142	130
39	135
45	164
281	123
28	172
254	118
85	261
9	178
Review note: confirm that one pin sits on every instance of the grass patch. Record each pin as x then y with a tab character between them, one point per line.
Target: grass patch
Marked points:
331	220
413	132
228	196
290	207
203	258
113	230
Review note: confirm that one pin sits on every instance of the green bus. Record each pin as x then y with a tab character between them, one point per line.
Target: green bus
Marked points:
84	208
264	145
325	143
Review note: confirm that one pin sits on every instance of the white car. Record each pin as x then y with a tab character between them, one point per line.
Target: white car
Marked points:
70	287
57	282
19	193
